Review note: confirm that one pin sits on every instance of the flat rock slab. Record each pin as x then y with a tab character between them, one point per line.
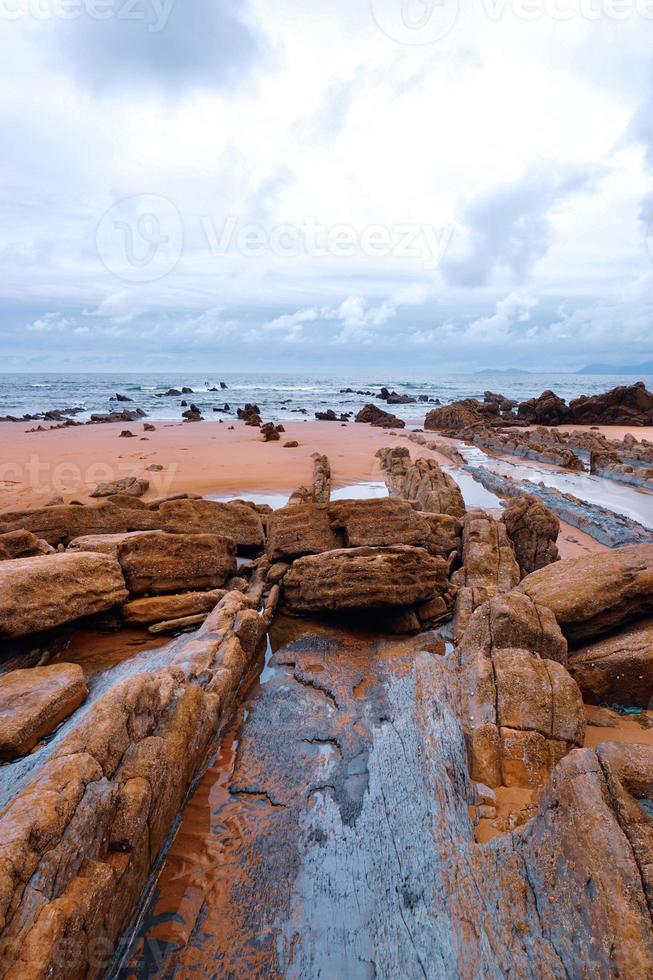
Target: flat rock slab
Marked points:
158	609
158	563
617	668
38	594
33	702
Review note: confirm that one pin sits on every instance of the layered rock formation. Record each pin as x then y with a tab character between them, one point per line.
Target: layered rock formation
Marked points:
298	530
617	668
159	563
529	446
376	416
533	531
594	594
34	701
422	480
21	544
41	593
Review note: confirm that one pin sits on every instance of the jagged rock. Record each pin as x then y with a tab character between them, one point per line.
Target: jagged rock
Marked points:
422	480
513	620
22	544
364	578
271	432
38	594
34	702
158	609
607	463
376	416
546	409
624	405
458	416
250	414
533	530
131	486
489	566
595	593
617	669
539	445
300	529
157	563
235	520
319	491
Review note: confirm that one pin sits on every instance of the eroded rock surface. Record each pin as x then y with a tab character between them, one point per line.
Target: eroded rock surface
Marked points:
533	530
159	609
235	520
618	668
159	563
34	701
422	480
376	416
22	544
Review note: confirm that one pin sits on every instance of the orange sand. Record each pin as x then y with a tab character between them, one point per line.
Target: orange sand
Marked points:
628	730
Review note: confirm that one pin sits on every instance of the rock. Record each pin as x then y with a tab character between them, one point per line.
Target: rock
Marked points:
148	427
595	593
185	624
250	414
386	521
22	544
131	486
422	480
158	609
234	520
34	702
39	594
376	416
364	578
458	416
541	444
533	530
298	530
270	432
126	434
319	491
607	463
121	398
489	566
292	444
155	468
624	405
59	524
513	621
104	544
546	409
618	668
603	718
157	563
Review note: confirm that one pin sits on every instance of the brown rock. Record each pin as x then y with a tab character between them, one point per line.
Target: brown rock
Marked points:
458	416
533	530
59	524
158	609
595	593
131	486
624	405
422	480
235	520
33	702
40	593
376	416
618	668
546	409
364	578
104	544
22	544
298	530
158	563
513	621
386	521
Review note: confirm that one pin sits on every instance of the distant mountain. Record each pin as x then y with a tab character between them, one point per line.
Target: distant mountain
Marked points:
503	371
646	368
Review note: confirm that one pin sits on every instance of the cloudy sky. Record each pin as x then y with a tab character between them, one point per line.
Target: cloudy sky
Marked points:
325	186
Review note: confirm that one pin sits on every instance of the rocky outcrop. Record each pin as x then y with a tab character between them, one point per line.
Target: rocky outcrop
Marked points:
34	702
22	544
376	416
38	594
105	544
594	594
624	405
617	669
458	416
63	522
609	465
422	480
386	521
131	486
533	530
319	491
528	446
546	409
91	822
159	609
235	520
489	566
298	530
349	580
158	563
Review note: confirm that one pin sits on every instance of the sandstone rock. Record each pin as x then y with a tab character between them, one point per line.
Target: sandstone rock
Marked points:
618	668
158	609
131	486
595	593
33	702
364	578
22	544
319	491
387	521
104	544
38	594
58	524
298	530
235	520
533	530
542	445
422	480
458	416
624	405
270	432
376	416
158	563
513	620
603	718
546	409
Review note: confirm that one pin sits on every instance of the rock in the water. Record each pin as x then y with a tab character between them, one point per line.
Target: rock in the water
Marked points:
376	416
533	530
158	563
619	668
623	405
595	593
33	702
38	594
159	609
132	486
364	578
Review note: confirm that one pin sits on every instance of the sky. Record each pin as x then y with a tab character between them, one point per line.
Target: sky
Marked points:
311	186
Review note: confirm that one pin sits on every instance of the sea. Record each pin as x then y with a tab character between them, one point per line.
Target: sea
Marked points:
280	397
